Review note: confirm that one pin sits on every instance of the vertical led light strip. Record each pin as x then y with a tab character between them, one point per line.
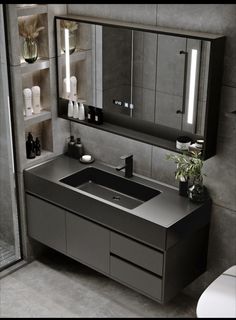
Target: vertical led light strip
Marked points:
67	60
192	85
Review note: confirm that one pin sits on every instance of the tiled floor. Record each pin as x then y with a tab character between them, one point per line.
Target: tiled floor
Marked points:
57	286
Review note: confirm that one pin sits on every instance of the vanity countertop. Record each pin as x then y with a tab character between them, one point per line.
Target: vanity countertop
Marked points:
167	212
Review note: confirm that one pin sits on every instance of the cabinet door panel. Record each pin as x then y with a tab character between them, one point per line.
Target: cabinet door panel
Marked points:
137	278
46	223
137	253
88	242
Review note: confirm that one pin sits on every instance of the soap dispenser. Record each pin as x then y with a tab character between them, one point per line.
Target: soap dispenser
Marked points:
73	88
70	109
91	114
81	111
71	146
79	149
76	110
30	146
36	99
28	101
37	147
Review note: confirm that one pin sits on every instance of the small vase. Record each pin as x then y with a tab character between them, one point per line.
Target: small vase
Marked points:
30	50
183	188
197	191
72	40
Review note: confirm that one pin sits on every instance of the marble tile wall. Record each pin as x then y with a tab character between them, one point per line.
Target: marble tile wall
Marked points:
148	160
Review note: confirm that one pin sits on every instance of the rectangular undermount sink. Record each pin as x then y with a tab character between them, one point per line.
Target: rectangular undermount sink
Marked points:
124	192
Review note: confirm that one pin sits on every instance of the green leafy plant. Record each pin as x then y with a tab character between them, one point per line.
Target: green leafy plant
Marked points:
188	165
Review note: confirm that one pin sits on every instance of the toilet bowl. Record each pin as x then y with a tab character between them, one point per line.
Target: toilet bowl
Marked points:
219	298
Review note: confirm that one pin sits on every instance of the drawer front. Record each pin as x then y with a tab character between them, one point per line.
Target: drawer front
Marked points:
46	223
137	253
88	242
138	279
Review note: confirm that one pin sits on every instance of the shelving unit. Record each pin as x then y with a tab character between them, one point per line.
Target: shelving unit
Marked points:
30	10
52	132
26	75
37	118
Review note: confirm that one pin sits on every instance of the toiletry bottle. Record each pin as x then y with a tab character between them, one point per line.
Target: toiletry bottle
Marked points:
28	101
76	110
73	88
91	114
81	111
79	149
65	94
37	147
98	119
71	146
70	109
36	99
30	154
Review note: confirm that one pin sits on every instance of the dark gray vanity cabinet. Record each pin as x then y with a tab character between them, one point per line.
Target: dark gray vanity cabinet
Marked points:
88	242
46	223
159	273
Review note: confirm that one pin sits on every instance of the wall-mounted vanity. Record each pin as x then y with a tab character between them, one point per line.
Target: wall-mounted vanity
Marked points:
154	84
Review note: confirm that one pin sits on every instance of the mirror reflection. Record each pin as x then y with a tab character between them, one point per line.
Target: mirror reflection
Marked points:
153	77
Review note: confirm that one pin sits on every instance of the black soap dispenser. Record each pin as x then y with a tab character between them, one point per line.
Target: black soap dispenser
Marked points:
30	145
79	149
91	114
71	146
37	147
98	118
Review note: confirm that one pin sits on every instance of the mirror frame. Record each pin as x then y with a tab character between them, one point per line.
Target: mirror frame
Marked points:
158	135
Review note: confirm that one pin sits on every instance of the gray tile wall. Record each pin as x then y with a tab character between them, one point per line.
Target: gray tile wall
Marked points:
148	160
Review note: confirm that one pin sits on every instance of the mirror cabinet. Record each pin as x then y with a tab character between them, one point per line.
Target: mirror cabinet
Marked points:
153	84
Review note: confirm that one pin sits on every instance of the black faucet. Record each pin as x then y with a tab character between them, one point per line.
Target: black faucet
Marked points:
128	166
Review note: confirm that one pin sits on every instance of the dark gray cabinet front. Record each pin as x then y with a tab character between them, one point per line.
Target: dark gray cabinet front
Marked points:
157	274
88	242
46	223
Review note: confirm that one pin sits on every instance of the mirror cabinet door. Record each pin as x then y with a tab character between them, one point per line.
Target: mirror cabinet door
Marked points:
76	47
142	79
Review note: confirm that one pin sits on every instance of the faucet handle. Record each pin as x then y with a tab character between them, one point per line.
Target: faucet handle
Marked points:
126	157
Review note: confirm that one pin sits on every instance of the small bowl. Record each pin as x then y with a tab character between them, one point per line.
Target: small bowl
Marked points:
87	158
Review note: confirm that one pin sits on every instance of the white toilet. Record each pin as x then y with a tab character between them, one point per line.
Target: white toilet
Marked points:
219	298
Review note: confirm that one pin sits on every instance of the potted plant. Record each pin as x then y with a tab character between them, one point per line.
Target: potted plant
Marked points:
181	172
197	192
189	166
29	30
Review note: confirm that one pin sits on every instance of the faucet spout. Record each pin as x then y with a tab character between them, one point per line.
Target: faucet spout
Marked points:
128	166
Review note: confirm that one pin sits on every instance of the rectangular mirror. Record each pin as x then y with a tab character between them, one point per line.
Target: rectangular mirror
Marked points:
156	85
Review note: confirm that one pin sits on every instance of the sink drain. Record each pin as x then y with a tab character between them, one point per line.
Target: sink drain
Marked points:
117	198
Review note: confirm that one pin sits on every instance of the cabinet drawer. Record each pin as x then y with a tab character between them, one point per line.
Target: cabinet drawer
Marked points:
138	279
88	242
137	253
46	223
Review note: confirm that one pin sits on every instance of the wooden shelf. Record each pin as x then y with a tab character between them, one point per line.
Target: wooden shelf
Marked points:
40	64
37	118
30	10
45	155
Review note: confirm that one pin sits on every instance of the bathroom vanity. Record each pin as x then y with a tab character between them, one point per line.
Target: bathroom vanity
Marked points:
152	240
